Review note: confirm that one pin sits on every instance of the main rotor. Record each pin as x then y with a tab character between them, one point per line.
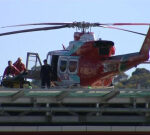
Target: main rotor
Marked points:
83	26
78	25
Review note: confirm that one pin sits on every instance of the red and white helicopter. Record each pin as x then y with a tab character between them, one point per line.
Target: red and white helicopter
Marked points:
86	61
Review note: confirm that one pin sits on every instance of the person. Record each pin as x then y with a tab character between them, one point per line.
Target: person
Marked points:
19	65
10	70
45	75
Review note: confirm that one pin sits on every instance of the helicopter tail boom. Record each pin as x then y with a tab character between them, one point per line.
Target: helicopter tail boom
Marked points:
146	46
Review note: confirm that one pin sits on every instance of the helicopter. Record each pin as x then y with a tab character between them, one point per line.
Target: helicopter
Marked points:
86	61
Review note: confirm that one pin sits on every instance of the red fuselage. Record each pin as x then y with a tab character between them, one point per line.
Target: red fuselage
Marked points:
97	66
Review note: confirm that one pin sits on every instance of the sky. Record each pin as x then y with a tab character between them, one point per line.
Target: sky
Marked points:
14	12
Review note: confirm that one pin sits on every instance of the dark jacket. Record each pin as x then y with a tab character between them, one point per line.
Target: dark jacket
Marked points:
45	72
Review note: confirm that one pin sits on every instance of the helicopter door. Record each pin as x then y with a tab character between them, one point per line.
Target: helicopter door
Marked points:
68	70
53	60
33	65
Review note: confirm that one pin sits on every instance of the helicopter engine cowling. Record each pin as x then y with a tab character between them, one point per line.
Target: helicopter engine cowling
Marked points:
96	49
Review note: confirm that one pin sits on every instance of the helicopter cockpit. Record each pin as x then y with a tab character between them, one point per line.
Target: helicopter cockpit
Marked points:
64	67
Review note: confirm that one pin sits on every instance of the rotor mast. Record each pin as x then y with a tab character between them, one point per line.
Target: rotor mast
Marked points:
83	26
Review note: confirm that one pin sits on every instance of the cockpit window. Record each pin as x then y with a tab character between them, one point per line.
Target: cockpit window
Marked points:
72	66
63	65
49	58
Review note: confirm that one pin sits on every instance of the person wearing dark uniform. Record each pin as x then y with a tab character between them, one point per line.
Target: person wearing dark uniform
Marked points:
45	74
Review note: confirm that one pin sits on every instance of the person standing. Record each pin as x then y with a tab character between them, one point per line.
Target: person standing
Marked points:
45	75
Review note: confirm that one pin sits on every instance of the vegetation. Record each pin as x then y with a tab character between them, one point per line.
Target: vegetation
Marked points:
140	79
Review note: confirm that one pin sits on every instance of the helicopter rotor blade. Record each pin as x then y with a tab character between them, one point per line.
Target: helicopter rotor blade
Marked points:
78	24
121	24
31	24
32	30
124	30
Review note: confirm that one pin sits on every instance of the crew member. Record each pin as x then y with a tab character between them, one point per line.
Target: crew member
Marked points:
45	75
19	65
11	70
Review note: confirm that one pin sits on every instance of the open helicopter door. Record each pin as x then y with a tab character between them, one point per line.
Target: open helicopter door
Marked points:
68	70
33	66
52	59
